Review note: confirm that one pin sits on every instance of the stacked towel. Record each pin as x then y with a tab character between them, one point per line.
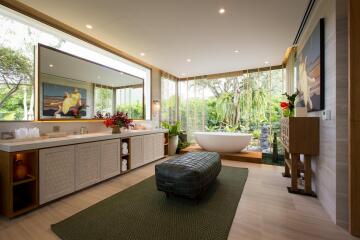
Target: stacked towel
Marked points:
124	148
124	165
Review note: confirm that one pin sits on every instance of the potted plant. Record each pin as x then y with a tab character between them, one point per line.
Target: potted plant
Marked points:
289	106
117	121
174	132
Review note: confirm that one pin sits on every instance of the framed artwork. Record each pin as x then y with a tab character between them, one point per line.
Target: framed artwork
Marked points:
310	71
63	101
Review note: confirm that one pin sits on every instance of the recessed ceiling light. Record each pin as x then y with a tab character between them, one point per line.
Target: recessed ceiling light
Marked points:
222	10
142	54
188	60
236	51
88	26
98	77
183	74
266	62
50	65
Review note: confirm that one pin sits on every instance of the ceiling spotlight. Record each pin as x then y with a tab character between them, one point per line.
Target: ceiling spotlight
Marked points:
266	62
183	74
50	65
88	26
222	10
236	51
188	60
142	54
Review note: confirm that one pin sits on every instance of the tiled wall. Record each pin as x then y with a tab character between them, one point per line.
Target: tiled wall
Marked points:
330	167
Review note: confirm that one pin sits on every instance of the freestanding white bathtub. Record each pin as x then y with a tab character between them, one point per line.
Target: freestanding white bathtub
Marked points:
222	141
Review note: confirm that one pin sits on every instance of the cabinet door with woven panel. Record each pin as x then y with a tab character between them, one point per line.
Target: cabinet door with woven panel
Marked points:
159	146
56	172
149	148
137	151
87	164
110	158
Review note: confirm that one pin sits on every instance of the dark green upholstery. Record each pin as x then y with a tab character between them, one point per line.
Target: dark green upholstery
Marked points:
188	175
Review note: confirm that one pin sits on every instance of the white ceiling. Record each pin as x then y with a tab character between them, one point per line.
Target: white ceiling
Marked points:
171	31
63	65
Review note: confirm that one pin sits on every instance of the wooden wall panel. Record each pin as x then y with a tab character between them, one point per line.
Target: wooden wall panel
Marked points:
354	115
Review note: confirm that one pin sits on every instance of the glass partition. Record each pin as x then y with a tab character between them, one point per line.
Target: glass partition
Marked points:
248	102
168	99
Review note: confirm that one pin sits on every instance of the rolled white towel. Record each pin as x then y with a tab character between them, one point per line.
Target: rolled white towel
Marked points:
125	151
124	145
124	165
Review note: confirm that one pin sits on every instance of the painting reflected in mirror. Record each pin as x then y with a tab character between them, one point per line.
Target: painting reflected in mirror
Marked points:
74	88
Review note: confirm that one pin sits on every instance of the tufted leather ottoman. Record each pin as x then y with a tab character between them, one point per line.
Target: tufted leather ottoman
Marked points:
188	175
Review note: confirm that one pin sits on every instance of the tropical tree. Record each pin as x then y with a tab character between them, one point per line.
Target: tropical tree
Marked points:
15	70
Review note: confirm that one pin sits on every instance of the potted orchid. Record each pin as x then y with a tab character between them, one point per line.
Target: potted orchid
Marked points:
289	106
117	121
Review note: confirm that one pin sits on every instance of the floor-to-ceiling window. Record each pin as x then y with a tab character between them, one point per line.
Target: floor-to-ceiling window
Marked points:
168	98
248	102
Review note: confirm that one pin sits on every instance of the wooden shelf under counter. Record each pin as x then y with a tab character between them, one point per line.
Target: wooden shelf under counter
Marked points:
19	196
126	156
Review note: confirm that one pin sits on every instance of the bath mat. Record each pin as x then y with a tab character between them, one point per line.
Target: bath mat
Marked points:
142	212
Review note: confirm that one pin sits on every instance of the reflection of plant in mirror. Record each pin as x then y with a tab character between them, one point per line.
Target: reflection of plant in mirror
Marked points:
134	111
103	100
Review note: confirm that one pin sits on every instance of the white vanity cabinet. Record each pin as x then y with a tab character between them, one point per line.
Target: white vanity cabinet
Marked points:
137	151
66	169
87	164
148	152
146	149
56	172
159	145
110	158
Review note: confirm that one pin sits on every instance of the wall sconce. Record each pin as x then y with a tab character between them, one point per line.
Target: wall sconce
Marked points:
156	105
156	113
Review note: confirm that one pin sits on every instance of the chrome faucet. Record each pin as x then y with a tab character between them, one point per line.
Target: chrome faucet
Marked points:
83	130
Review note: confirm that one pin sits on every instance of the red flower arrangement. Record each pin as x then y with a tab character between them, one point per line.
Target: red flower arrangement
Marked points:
288	107
284	105
119	119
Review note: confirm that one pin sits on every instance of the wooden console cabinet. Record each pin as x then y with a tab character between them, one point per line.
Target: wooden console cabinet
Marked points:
299	136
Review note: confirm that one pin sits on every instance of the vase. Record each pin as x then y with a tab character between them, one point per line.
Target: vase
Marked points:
173	144
116	129
20	170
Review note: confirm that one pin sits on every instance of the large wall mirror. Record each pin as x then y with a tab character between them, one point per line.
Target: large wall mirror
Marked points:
74	88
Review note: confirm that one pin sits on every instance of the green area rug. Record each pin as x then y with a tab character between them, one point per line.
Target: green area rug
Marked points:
141	212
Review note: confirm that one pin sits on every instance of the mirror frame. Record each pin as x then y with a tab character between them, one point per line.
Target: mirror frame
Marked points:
38	82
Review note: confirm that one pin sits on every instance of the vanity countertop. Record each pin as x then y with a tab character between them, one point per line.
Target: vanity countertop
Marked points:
14	146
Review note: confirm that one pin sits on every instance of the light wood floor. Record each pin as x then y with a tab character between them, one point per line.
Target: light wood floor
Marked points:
266	210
